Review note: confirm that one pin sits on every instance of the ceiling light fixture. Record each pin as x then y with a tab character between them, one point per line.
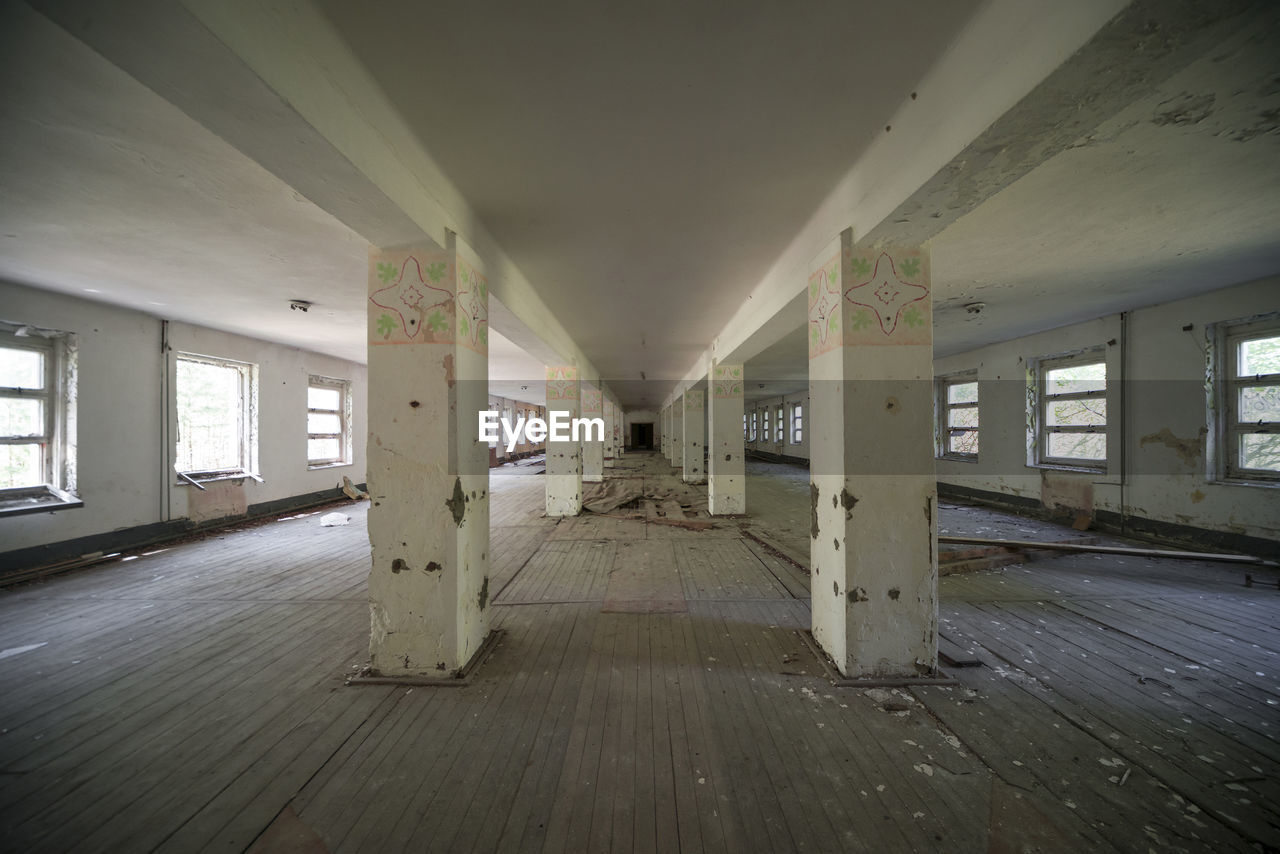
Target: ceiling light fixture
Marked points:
299	305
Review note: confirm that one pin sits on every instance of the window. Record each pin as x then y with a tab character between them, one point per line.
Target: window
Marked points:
1072	412
1250	423
797	424
745	435
328	422
217	418
753	426
764	419
958	418
780	433
37	419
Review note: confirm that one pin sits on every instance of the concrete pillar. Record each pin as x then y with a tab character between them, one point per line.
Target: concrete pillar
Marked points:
592	441
666	432
564	459
874	500
694	432
677	432
727	480
610	433
428	473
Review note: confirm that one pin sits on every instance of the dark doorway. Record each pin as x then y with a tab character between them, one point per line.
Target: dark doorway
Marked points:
642	435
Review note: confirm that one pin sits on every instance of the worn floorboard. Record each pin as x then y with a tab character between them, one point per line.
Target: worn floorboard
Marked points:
650	692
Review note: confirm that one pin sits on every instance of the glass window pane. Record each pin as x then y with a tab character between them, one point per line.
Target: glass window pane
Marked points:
324	398
1260	451
962	393
1085	412
964	416
1076	378
21	417
965	442
322	449
21	465
1078	446
20	368
1259	403
1259	356
320	423
209	411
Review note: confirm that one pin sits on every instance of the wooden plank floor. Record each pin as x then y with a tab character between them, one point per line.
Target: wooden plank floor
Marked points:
193	699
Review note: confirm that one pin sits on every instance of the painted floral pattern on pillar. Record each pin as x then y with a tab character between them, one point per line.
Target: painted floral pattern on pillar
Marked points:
592	401
726	381
562	383
473	309
887	300
693	401
824	308
411	296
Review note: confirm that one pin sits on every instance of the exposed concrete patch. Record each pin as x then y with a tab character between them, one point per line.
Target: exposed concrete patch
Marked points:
813	511
857	594
458	503
484	593
448	370
399	565
1188	450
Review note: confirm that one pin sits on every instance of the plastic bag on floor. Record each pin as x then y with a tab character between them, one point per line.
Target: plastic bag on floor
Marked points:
330	520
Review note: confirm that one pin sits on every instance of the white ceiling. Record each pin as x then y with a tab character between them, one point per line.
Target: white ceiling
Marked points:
645	163
111	193
642	168
513	373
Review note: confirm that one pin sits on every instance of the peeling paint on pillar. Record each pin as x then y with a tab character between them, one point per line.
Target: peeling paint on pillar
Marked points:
870	371
727	472
428	345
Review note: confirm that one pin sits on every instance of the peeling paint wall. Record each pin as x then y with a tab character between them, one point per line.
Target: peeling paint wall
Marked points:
1168	419
122	463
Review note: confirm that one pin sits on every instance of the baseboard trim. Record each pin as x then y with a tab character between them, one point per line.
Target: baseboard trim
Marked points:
38	561
1137	527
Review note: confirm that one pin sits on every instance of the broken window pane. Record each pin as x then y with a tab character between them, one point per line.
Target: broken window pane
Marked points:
964	416
21	417
21	465
1259	403
962	393
1086	412
1259	356
1078	446
210	406
1076	379
21	368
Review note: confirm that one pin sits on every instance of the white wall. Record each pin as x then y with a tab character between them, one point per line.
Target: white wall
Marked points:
125	475
1166	366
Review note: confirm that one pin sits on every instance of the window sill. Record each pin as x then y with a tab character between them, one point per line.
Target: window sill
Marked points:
198	478
36	499
317	466
1080	469
1241	481
958	458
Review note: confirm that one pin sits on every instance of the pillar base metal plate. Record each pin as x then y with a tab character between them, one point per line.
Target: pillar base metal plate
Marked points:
460	678
839	680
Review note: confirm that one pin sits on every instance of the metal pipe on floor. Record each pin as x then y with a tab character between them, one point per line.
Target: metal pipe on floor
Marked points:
1088	548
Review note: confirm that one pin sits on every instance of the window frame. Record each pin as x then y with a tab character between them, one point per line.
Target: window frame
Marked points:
942	412
764	421
1228	428
797	423
1039	370
343	387
780	428
57	439
248	422
754	424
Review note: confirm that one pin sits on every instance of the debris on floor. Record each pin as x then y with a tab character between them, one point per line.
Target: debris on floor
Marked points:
350	490
331	520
